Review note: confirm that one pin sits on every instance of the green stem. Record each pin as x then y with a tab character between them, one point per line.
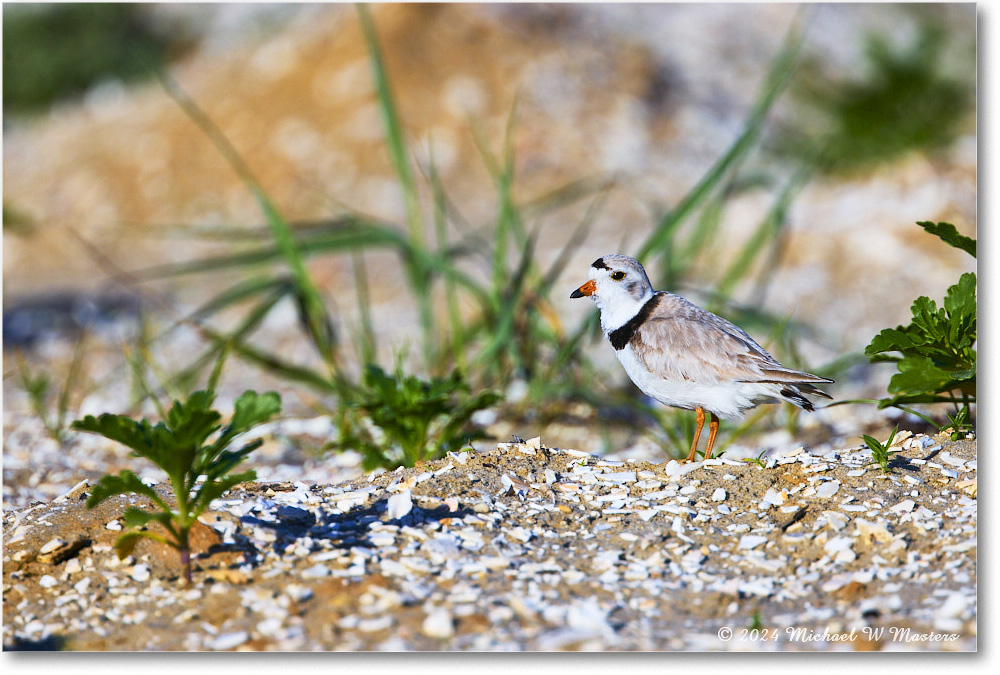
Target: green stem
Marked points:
918	414
368	346
185	553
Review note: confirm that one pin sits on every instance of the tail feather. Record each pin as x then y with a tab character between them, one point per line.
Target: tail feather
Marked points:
796	395
806	388
779	374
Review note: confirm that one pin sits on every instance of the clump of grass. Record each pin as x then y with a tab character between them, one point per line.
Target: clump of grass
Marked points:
758	460
180	445
399	420
880	451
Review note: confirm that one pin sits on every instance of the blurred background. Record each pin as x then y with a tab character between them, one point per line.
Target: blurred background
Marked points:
317	187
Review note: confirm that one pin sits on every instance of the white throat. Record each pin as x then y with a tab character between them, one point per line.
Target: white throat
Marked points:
618	311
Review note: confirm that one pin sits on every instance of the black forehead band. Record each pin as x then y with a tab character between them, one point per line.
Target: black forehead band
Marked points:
599	264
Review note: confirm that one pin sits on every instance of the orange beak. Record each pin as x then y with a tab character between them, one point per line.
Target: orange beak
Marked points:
587	289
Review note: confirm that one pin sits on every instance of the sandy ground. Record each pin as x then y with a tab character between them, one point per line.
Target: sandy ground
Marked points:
523	547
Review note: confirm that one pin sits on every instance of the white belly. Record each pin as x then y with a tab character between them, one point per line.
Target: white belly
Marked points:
724	398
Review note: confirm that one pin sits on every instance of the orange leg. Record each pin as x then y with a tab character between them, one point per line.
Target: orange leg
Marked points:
713	429
697	432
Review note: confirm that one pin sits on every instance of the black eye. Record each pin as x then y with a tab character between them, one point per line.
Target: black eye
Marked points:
618	275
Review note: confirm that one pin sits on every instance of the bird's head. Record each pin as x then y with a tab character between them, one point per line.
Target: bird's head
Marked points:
618	285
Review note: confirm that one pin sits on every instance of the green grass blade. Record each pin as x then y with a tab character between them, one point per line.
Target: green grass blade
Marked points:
72	377
507	224
250	232
337	238
368	345
140	386
216	375
767	233
395	139
231	296
565	195
218	348
510	306
240	292
457	330
314	308
280	368
396	143
775	83
168	385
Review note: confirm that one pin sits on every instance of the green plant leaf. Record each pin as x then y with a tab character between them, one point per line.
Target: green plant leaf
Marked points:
228	460
937	359
890	340
155	443
177	447
950	235
125	544
918	374
213	489
960	305
873	444
252	409
136	517
125	482
420	419
128	432
193	421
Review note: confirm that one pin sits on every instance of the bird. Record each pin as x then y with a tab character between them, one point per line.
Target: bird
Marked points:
687	357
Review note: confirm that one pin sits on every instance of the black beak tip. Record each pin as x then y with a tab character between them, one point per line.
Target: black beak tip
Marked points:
576	294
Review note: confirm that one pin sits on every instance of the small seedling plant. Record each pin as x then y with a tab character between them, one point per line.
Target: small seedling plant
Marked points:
959	424
416	419
181	447
38	386
880	451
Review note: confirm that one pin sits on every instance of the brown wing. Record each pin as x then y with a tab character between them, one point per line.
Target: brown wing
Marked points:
683	341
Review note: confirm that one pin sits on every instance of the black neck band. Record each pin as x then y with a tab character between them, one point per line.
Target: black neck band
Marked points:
623	335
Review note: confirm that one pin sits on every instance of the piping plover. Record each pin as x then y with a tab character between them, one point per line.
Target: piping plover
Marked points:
684	356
